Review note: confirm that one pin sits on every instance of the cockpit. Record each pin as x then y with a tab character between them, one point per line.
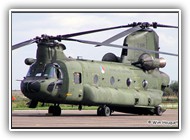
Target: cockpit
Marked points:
49	71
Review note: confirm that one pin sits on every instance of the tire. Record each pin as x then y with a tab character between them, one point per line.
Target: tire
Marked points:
99	111
50	110
103	111
55	110
33	104
158	111
107	111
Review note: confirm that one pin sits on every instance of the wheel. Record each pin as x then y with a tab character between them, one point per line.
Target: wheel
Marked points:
103	111
55	110
106	111
158	111
33	104
50	110
99	111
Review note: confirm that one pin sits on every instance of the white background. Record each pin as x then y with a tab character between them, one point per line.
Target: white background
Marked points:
4	82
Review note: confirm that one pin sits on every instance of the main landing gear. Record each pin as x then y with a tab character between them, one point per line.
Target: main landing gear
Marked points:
55	110
104	111
158	111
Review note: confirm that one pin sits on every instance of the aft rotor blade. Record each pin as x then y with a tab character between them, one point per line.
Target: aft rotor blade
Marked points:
28	42
166	26
93	31
119	46
120	35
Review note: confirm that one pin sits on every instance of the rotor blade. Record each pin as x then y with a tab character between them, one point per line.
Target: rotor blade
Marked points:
119	46
120	35
167	26
155	25
28	42
93	31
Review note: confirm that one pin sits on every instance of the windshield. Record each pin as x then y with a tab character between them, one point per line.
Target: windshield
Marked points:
29	72
50	71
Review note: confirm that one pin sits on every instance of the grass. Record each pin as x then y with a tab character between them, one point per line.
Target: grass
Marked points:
170	99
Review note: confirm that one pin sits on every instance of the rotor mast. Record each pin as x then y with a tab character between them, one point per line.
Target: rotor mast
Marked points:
48	51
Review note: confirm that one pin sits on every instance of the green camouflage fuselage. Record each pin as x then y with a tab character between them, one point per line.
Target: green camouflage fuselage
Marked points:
100	83
54	78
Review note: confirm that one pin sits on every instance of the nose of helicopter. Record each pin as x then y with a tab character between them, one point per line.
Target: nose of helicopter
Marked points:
38	89
31	87
35	87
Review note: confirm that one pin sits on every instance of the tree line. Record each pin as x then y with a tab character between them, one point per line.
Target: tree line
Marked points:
172	90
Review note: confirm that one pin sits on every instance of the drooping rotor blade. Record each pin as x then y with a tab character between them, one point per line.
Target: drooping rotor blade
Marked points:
97	30
28	42
120	35
119	46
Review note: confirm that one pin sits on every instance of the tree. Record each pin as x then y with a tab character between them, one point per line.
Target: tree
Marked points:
175	87
168	92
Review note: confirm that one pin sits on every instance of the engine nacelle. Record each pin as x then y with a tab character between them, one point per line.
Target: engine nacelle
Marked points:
29	61
149	63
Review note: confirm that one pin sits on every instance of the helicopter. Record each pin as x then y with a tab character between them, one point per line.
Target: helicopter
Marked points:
130	83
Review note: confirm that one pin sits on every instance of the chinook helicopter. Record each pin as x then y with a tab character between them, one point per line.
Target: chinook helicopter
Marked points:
130	83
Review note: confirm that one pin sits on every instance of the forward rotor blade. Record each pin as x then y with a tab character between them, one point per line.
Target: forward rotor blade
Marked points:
119	46
93	31
120	35
28	42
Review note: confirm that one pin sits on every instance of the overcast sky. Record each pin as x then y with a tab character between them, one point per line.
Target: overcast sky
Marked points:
29	25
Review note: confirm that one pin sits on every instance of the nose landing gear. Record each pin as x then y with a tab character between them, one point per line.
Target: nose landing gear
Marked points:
55	110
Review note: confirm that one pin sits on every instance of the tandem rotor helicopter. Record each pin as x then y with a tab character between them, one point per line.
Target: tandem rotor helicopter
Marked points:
131	82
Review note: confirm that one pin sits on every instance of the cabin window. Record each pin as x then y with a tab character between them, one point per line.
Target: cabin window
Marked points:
145	84
77	78
95	79
128	82
112	80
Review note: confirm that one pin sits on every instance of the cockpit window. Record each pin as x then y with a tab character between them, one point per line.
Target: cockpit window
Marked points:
53	71
49	71
29	72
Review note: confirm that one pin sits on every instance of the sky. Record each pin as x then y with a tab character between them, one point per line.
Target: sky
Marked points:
25	26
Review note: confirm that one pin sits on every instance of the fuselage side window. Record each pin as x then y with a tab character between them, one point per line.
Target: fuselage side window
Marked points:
112	80
95	79
77	78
